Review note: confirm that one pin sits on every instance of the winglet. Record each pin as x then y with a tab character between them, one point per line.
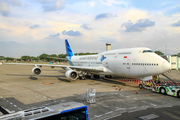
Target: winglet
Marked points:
3	61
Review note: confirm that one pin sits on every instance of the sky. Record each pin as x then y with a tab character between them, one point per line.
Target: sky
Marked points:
34	27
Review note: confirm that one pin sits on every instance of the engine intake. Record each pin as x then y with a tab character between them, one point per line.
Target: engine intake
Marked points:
71	74
36	71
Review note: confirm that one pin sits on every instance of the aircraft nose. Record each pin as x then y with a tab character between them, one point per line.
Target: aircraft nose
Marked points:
166	66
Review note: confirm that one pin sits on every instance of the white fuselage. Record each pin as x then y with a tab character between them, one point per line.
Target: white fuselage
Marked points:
132	62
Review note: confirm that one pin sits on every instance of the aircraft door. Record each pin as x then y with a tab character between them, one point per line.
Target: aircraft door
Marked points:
128	65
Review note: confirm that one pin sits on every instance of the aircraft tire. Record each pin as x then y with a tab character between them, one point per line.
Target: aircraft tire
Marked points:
163	91
80	77
140	86
178	94
83	77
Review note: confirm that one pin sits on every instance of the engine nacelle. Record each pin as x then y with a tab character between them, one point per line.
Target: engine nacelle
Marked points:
36	71
71	74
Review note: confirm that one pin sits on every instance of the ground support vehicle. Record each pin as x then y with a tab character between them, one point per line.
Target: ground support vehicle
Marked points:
172	89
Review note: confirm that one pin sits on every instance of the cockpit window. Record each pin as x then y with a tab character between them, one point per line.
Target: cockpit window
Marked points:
148	51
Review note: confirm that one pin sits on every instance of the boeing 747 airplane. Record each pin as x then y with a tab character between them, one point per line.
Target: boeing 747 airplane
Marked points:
140	62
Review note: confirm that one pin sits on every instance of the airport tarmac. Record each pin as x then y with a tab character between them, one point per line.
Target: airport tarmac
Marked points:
19	90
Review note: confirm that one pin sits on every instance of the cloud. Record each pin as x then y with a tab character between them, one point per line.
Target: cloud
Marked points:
34	26
71	33
139	26
14	2
12	42
55	35
85	26
51	36
91	3
9	42
109	2
177	24
54	5
4	9
103	15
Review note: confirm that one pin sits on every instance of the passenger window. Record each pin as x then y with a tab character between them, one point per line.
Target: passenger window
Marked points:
143	64
157	64
152	64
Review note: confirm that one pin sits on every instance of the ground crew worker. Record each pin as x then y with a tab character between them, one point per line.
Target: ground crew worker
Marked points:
148	84
157	80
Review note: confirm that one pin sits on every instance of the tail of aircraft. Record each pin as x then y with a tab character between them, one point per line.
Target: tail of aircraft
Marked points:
69	52
68	49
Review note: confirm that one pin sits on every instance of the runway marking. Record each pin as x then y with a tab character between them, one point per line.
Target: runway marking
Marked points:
128	97
120	109
132	107
149	117
135	99
136	110
145	106
143	101
112	117
153	104
98	115
162	106
108	112
121	94
10	103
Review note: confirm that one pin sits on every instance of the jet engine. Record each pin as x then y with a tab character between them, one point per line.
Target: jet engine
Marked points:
71	74
36	71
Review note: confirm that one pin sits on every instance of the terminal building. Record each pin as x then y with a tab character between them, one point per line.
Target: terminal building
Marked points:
174	61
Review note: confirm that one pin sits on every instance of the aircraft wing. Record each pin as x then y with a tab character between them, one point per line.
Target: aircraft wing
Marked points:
78	68
89	69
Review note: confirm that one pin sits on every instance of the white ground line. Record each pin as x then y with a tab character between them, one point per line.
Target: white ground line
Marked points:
128	97
112	117
132	107
98	115
136	110
121	94
120	109
135	98
153	104
143	101
108	112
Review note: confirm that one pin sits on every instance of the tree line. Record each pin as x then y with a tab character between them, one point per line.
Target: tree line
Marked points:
42	57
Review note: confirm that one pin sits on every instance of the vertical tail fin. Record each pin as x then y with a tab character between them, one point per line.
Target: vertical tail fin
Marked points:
69	52
68	49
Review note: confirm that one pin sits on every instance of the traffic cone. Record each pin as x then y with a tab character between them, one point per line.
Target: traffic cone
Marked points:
136	91
116	87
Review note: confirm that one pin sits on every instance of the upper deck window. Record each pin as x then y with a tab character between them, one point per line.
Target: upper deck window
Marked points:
148	51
